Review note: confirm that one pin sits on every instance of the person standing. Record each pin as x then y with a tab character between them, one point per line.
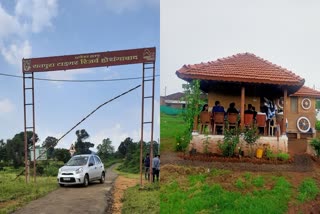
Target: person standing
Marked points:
156	167
147	167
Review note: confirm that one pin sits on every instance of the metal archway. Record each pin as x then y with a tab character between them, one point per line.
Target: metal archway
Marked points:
144	56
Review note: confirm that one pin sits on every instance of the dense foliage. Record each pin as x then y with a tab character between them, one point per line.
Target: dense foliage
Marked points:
193	106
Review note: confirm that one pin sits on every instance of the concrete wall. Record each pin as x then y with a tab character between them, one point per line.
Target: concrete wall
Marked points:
198	142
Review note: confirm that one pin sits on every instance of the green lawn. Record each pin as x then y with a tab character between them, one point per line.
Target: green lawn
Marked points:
170	127
16	193
188	190
145	200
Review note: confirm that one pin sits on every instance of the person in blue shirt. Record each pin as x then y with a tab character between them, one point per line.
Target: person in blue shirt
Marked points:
217	107
156	167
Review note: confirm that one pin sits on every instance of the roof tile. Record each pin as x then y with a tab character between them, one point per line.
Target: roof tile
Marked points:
243	67
305	91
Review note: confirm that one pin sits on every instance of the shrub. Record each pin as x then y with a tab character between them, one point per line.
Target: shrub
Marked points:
182	141
251	136
308	190
270	154
315	143
230	142
318	125
283	156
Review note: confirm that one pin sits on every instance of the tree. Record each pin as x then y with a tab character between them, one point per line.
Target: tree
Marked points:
193	102
15	147
62	155
49	143
105	149
81	146
124	147
3	151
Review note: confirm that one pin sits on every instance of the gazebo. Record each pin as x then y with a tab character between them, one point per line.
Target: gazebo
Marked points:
248	79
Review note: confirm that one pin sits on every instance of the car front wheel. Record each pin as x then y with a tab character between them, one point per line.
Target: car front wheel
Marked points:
86	180
102	179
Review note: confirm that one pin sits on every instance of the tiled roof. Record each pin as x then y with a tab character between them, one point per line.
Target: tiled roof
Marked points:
175	96
305	91
244	67
180	95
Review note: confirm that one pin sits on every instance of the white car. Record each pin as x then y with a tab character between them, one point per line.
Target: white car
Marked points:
81	169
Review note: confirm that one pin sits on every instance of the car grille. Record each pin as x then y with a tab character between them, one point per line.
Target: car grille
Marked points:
67	173
70	180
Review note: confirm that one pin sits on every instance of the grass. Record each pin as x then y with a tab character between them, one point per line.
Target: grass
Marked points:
16	193
170	127
200	196
308	190
126	174
144	200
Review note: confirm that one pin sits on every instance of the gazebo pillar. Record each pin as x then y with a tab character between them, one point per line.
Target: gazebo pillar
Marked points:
285	94
242	107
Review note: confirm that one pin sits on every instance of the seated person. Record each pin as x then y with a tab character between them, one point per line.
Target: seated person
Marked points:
232	108
205	107
249	110
217	107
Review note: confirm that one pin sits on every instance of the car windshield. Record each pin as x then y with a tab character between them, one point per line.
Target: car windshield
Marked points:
78	161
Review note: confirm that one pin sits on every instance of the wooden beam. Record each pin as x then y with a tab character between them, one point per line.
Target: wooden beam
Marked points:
242	107
285	95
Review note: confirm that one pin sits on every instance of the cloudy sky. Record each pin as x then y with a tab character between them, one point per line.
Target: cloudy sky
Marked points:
40	28
284	32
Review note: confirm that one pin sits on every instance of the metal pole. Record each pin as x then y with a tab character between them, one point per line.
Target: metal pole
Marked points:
25	129
142	121
152	118
34	131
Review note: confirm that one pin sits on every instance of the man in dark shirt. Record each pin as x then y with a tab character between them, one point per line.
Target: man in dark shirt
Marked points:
232	108
147	167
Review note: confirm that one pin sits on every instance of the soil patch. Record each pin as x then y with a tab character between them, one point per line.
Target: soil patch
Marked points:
299	163
120	185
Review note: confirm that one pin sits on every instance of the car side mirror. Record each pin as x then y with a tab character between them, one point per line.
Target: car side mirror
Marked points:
90	164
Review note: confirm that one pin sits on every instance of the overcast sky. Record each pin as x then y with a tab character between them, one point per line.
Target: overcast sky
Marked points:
285	33
40	28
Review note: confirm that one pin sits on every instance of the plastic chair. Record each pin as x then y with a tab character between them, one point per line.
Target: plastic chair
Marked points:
272	126
218	120
262	122
205	121
232	120
248	120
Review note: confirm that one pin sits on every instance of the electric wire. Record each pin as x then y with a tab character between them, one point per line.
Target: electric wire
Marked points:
93	80
53	145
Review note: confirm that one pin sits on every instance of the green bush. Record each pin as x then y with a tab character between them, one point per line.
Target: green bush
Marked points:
283	156
315	143
51	170
318	125
182	141
270	154
230	142
308	190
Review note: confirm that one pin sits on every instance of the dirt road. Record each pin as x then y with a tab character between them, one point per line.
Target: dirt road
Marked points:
96	198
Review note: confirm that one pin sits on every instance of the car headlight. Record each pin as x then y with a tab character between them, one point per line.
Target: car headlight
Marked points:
79	170
59	170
